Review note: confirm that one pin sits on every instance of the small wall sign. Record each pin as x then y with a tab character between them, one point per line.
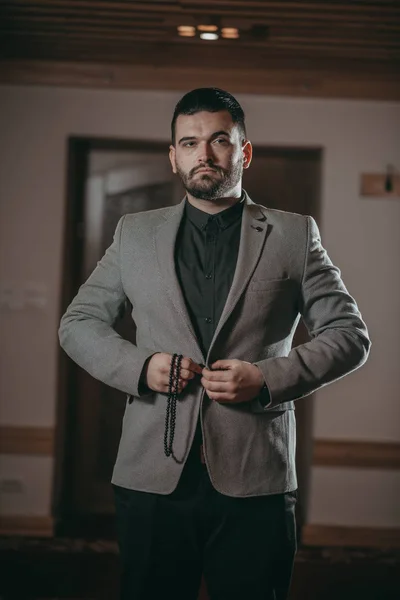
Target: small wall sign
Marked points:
380	184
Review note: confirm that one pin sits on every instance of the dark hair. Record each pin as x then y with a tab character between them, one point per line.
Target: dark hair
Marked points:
210	99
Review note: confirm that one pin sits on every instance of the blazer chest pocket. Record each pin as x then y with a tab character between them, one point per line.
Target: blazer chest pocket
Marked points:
271	285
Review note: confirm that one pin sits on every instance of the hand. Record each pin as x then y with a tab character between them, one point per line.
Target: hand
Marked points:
158	369
233	381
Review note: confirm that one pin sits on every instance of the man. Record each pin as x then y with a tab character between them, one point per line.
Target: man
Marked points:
222	281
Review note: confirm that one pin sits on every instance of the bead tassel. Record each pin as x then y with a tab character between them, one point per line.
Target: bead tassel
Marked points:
170	418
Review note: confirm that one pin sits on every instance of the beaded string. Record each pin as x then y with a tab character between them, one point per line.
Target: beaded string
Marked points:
170	418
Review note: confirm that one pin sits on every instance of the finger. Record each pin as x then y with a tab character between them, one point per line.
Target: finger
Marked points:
181	386
188	364
186	374
217	375
223	364
173	367
217	386
191	365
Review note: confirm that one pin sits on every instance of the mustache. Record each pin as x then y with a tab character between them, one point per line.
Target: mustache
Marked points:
208	166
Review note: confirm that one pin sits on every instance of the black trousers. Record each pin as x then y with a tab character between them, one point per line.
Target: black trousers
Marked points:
244	546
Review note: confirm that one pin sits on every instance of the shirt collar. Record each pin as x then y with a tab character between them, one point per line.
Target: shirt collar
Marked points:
224	218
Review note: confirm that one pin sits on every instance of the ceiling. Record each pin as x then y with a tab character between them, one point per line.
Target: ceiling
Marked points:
336	36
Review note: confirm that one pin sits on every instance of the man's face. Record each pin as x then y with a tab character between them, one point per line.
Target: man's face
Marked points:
209	155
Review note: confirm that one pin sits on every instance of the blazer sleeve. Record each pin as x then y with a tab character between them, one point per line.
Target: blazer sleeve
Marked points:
340	342
86	329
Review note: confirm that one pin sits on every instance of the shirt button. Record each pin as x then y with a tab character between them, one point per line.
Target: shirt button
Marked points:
208	320
209	275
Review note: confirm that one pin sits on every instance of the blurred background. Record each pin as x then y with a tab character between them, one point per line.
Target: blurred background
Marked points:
87	92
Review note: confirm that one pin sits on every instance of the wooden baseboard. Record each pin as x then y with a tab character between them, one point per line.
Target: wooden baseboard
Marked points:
37	441
336	453
34	526
358	537
373	455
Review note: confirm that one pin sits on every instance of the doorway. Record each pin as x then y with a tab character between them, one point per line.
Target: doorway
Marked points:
106	179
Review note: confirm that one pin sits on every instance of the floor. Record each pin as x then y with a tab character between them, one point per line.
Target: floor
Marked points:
82	569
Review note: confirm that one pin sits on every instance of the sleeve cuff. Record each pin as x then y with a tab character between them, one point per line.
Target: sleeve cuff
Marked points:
264	396
263	401
143	388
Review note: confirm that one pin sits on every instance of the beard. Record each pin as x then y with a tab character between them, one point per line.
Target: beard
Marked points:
211	186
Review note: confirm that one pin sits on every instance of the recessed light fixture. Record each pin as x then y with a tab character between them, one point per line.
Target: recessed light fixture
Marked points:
209	36
186	31
208	28
231	33
208	32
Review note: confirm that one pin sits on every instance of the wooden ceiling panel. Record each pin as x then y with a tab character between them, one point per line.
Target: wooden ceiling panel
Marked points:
364	34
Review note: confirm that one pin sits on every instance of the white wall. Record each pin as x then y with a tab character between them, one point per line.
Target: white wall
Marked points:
361	235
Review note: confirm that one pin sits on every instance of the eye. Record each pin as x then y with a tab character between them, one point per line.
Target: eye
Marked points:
188	144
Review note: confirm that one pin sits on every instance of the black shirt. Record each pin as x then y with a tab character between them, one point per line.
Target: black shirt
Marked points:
206	252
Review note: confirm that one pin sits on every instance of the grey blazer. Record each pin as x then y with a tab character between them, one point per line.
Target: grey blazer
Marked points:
282	272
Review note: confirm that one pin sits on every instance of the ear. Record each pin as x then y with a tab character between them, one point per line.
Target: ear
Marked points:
172	158
247	150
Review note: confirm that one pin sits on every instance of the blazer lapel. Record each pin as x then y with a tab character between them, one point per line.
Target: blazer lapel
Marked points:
165	238
252	237
253	234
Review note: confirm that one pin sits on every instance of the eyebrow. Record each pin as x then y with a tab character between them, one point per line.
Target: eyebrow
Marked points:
214	135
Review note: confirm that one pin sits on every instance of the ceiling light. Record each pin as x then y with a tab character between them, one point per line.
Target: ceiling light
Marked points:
209	36
231	33
207	27
186	31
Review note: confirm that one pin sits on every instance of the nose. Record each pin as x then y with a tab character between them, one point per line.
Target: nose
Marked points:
205	154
